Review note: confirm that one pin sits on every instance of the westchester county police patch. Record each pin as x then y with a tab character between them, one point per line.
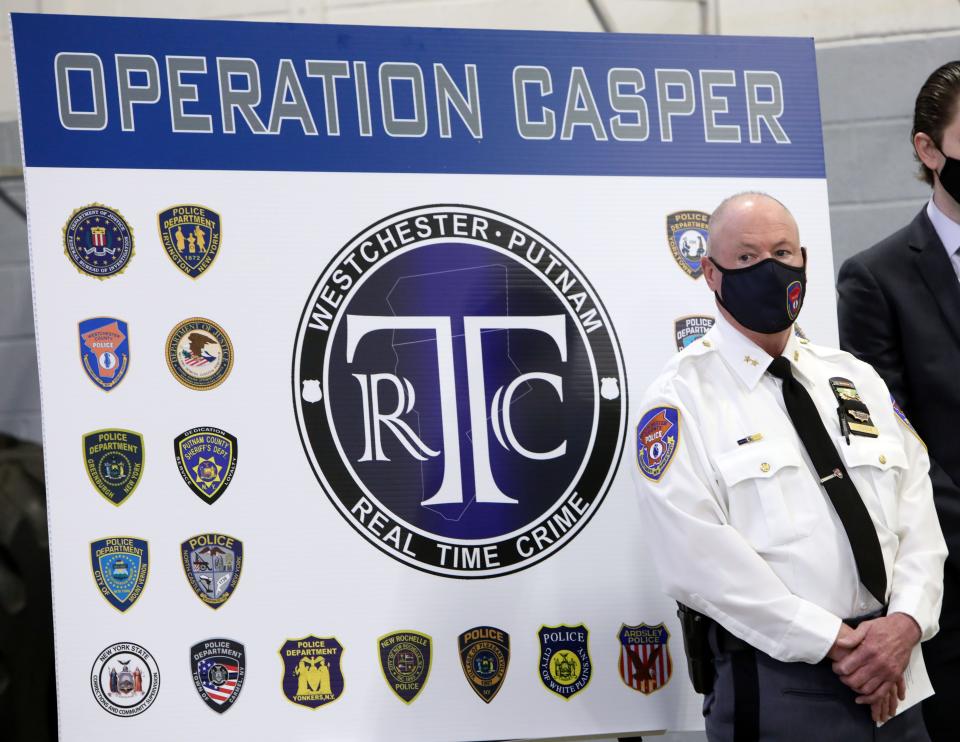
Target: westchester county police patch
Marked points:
98	241
104	350
191	236
657	437
458	382
207	459
120	568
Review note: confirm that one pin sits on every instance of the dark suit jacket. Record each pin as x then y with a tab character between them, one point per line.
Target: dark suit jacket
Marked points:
899	310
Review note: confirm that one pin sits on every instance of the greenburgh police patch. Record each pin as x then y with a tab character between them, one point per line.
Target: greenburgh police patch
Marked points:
114	462
191	236
120	567
199	354
207	459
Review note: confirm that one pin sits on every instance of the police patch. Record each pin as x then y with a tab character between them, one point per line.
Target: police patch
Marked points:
312	670
901	416
125	679
794	296
104	350
405	660
218	667
687	237
207	459
212	563
114	462
687	330
191	236
199	354
484	657
98	241
657	437
645	663
565	667
120	568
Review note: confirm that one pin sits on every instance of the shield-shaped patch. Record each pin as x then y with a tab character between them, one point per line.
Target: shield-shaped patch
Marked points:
120	568
645	663
104	350
218	667
212	563
687	237
207	459
689	329
114	462
312	670
191	236
484	656
405	660
565	666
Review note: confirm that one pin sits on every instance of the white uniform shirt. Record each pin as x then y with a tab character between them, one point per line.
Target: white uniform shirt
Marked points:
745	533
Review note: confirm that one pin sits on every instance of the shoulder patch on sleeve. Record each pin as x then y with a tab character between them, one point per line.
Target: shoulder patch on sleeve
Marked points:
906	423
658	435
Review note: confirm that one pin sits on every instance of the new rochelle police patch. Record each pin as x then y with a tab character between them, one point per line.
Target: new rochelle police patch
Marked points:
657	437
460	391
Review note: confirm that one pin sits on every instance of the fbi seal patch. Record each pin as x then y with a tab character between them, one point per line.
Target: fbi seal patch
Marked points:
199	354
484	656
405	660
104	350
191	236
687	237
565	667
689	329
658	434
218	667
120	568
125	679
207	459
114	462
98	241
312	670
212	563
645	663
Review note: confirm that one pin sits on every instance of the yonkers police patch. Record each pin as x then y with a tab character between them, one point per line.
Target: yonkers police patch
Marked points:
565	666
658	434
207	459
125	679
645	663
120	567
312	670
98	241
190	234
212	563
199	354
687	237
218	667
687	330
485	657
405	660
459	391
114	462
104	350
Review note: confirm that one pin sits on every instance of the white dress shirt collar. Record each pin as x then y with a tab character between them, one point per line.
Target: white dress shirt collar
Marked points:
947	230
747	360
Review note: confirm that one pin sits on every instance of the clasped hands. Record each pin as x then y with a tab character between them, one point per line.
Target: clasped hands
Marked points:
872	658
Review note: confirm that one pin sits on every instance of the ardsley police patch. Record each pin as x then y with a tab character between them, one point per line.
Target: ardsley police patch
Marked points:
657	437
191	236
199	354
687	330
120	568
104	350
218	667
212	563
484	657
405	660
565	666
645	663
125	679
98	241
687	238
312	670
206	458
114	462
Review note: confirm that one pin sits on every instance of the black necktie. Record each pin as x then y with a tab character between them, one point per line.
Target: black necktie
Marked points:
835	480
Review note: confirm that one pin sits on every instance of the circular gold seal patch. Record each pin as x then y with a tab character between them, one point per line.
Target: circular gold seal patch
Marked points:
199	353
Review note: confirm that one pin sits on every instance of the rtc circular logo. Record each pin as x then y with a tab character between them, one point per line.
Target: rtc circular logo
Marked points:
459	391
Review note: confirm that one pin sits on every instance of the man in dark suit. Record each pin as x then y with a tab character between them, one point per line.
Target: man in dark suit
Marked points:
899	310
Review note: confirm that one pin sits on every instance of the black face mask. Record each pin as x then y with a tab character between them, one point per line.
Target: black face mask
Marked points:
950	177
767	296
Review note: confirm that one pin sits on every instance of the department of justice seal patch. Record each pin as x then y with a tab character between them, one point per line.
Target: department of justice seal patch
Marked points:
199	353
658	434
565	667
464	387
645	663
212	563
190	234
485	657
218	667
125	679
405	660
104	350
687	237
312	670
207	459
691	328
120	568
98	241
114	462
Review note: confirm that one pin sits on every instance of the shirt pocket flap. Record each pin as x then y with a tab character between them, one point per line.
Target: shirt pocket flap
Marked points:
881	453
755	461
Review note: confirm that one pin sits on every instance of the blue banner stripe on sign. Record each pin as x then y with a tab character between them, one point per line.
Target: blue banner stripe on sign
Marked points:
221	95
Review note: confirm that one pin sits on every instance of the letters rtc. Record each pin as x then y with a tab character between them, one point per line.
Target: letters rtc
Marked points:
544	107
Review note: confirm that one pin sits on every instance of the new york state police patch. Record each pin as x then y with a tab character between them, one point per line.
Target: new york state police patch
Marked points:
658	434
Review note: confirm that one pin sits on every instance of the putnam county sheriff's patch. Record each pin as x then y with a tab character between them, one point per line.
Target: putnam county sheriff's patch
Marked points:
657	437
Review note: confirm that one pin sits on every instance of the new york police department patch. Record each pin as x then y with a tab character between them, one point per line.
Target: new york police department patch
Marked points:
687	237
199	354
104	350
218	667
114	462
212	563
465	389
405	660
312	670
689	329
645	663
484	657
120	568
98	241
658	434
191	236
565	667
125	679
207	459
